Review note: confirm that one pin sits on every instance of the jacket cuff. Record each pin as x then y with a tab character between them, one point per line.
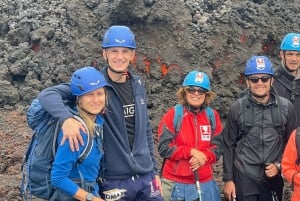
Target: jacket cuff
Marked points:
65	116
227	177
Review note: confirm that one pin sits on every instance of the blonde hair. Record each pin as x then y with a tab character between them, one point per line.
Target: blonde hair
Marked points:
181	96
89	122
85	116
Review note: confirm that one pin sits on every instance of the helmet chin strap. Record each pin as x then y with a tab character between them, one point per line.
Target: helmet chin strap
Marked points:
121	73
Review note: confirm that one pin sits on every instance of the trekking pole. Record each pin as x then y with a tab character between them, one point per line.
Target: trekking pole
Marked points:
197	183
274	196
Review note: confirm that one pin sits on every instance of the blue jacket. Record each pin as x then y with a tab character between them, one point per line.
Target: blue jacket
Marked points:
119	160
65	170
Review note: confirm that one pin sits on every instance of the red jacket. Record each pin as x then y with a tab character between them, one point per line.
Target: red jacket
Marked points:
196	133
289	167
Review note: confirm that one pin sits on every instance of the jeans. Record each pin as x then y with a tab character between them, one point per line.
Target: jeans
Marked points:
173	191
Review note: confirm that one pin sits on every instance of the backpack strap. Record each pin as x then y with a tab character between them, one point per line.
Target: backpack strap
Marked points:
86	151
276	117
178	116
89	145
248	114
55	136
211	117
297	139
283	80
177	121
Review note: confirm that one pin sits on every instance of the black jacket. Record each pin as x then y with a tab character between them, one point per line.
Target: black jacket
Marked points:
288	86
249	150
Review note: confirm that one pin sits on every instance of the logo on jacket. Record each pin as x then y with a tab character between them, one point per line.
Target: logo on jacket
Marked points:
114	194
205	133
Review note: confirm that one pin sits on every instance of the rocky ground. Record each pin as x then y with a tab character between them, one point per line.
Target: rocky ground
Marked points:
14	136
43	41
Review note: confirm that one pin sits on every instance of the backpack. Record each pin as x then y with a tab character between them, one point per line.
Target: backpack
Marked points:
41	150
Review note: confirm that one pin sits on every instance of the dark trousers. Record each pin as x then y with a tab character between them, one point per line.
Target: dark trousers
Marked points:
135	188
269	189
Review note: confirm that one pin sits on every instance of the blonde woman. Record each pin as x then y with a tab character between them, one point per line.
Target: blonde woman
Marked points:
71	177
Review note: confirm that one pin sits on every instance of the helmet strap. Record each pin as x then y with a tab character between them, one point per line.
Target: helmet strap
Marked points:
120	73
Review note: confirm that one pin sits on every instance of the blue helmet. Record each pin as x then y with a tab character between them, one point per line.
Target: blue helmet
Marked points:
259	65
291	42
197	78
118	36
85	80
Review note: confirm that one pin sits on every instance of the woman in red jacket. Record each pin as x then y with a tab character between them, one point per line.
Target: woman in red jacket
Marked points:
290	168
190	154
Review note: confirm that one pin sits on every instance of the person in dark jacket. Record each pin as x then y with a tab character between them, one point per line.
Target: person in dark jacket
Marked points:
287	75
129	170
252	153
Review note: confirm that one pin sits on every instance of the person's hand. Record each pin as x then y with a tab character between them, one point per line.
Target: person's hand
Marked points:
229	190
158	183
97	199
71	130
271	170
82	195
195	164
199	155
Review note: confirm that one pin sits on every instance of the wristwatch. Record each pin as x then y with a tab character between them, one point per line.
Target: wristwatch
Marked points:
278	165
89	197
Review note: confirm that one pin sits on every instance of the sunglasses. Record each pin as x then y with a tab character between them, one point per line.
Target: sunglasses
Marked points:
193	90
264	79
